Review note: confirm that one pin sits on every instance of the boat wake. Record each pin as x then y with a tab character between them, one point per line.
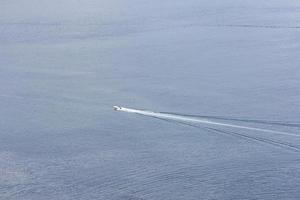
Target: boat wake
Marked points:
207	123
193	119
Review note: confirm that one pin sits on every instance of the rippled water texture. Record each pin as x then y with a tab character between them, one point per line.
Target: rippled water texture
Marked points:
64	64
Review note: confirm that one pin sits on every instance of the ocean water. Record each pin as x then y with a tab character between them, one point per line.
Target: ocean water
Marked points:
64	64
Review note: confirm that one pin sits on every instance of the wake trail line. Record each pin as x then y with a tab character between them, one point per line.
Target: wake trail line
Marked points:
201	121
255	26
235	134
257	121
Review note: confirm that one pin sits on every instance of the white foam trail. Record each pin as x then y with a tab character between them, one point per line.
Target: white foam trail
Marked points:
202	121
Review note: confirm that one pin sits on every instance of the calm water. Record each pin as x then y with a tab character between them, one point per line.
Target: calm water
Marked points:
63	65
